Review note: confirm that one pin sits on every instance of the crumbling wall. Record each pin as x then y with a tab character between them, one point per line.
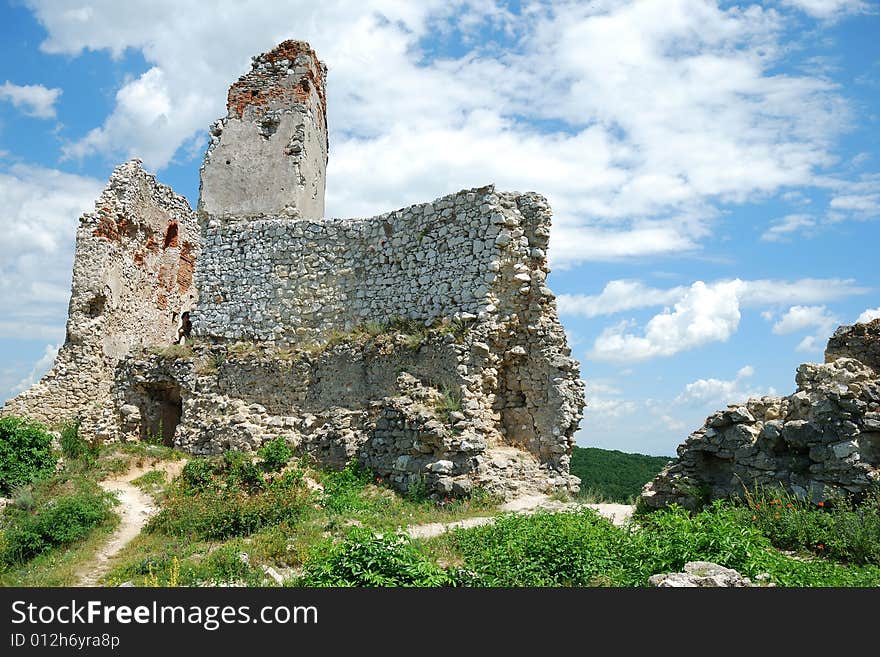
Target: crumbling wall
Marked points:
287	280
859	341
269	154
132	278
821	441
410	411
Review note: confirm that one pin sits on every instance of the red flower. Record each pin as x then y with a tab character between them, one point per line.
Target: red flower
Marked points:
757	506
821	503
820	546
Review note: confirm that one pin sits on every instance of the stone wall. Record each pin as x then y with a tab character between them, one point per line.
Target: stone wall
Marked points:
426	410
821	441
286	280
859	341
132	279
269	154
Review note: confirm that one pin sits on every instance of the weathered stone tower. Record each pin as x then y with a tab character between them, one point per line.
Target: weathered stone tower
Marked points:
422	343
132	280
269	154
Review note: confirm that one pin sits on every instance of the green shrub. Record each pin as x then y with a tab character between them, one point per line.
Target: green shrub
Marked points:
669	538
365	559
343	489
25	453
240	471
275	455
225	565
75	447
223	511
546	549
579	548
198	474
58	521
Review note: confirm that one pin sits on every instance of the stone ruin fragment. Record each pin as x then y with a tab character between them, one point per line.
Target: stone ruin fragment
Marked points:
820	442
422	343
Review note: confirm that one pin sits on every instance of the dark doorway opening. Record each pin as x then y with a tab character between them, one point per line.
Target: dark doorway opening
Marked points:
164	408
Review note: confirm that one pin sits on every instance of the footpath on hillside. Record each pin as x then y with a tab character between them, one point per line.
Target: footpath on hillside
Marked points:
135	509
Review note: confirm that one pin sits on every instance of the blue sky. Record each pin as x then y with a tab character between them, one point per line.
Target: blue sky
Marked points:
714	167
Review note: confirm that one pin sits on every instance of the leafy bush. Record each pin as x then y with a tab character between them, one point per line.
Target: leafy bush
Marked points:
275	455
73	445
343	489
198	474
240	472
559	549
25	453
365	559
58	521
668	539
581	549
225	508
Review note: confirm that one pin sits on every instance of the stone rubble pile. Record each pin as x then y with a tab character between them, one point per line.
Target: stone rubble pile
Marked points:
820	442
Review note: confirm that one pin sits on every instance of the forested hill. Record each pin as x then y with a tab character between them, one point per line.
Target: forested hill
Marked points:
611	475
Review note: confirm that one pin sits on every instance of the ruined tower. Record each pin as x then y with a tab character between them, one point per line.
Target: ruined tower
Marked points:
422	343
132	280
269	154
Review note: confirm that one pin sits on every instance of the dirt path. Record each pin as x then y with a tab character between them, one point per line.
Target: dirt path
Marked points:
616	513
135	508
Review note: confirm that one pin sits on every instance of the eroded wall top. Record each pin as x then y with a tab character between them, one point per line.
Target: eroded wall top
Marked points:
283	280
269	154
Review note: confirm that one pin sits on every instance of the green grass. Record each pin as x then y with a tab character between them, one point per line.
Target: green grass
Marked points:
59	567
838	529
364	559
579	548
236	500
356	495
151	482
613	476
199	510
346	532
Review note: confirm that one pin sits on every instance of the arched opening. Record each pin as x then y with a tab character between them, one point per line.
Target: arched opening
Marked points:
161	413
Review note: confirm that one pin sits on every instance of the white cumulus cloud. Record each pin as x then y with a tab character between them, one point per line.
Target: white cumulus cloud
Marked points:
724	124
628	294
39	208
869	315
716	392
706	313
32	99
801	318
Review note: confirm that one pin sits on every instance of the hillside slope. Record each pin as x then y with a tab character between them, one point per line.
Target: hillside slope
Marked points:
612	475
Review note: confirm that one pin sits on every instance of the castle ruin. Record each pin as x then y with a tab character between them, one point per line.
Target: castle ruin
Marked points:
821	442
422	343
